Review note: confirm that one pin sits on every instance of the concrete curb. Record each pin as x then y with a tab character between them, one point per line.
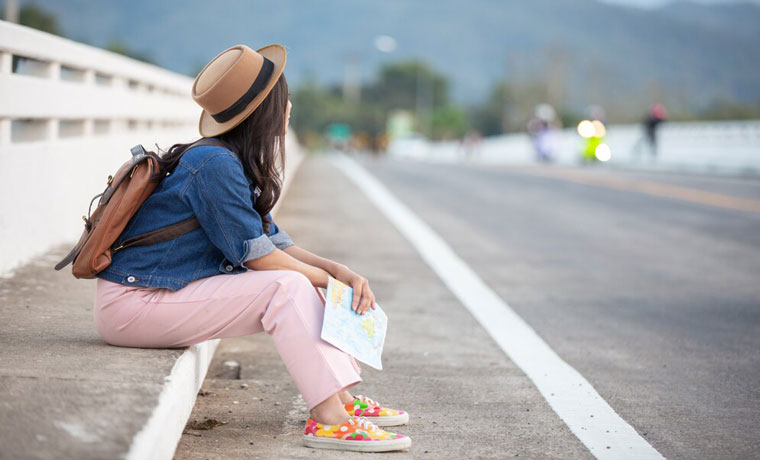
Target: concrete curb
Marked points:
159	437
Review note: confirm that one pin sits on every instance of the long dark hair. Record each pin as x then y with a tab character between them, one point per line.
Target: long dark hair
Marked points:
257	142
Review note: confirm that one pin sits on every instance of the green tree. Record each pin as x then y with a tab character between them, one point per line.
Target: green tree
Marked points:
510	105
449	122
37	18
400	84
728	109
489	117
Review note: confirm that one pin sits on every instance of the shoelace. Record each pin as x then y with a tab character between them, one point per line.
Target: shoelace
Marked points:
367	400
363	423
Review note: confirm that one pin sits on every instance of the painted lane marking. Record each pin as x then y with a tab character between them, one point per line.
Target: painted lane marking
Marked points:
604	433
675	192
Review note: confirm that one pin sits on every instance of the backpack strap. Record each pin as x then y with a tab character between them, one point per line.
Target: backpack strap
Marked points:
209	141
160	235
74	252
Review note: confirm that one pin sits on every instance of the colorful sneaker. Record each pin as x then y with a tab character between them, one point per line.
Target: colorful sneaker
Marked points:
356	434
381	416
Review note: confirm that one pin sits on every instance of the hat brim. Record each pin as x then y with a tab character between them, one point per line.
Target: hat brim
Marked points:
209	127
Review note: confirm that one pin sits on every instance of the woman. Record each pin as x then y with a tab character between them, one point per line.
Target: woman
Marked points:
239	273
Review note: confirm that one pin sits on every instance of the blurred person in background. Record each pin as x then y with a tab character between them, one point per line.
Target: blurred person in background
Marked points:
650	124
653	121
542	129
471	144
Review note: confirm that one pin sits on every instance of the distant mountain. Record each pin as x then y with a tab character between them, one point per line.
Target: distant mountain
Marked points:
687	54
732	19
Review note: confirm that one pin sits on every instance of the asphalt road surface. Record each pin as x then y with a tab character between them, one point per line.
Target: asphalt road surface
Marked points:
647	284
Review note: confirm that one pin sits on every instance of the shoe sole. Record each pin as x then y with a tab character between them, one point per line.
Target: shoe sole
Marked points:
357	446
393	420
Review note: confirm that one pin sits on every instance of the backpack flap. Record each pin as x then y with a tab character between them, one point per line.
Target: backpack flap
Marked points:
118	205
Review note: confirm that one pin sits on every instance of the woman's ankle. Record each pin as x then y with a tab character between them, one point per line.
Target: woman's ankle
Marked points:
329	419
345	397
331	411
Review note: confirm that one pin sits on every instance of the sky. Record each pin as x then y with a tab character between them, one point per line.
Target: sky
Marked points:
599	47
656	3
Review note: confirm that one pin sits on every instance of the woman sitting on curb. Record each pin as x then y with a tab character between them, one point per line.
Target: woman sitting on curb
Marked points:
239	274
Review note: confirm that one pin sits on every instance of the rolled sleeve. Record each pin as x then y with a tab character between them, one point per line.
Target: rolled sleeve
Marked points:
258	247
278	236
218	195
281	240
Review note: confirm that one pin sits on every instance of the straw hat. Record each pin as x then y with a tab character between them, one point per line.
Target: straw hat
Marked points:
234	83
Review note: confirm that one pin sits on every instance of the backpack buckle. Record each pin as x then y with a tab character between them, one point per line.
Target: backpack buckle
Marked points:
138	151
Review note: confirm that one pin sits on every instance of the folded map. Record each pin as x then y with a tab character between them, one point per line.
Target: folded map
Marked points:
361	336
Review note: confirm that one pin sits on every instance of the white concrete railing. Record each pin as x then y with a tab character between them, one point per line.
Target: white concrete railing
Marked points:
728	147
69	113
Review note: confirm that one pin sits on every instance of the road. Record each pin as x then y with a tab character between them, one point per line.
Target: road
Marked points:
654	299
646	284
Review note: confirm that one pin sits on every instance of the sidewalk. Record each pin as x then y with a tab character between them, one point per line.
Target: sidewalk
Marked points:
466	399
65	392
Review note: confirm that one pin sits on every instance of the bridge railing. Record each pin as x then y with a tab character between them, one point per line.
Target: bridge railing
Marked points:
69	114
724	147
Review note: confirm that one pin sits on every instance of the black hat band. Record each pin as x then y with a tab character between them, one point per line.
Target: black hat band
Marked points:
258	85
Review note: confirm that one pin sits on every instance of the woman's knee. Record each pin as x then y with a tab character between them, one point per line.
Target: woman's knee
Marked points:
293	281
294	300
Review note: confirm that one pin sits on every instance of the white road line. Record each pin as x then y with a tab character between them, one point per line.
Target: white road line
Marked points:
570	395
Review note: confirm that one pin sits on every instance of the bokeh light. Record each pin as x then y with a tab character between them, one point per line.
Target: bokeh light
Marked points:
586	128
603	152
599	129
385	43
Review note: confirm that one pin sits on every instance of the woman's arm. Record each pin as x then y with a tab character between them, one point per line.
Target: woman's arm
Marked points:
280	260
363	299
307	257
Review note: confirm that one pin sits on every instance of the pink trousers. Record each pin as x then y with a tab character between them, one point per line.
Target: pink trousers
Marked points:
281	302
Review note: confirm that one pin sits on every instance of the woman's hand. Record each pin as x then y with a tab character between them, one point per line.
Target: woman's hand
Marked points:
363	299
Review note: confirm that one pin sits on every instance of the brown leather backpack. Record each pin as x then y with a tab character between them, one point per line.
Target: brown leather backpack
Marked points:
125	192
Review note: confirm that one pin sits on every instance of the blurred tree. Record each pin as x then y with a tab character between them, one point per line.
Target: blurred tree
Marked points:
449	122
314	108
398	84
37	18
119	46
489	117
510	105
723	109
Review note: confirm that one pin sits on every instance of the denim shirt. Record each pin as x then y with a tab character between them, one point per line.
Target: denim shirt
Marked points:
208	183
